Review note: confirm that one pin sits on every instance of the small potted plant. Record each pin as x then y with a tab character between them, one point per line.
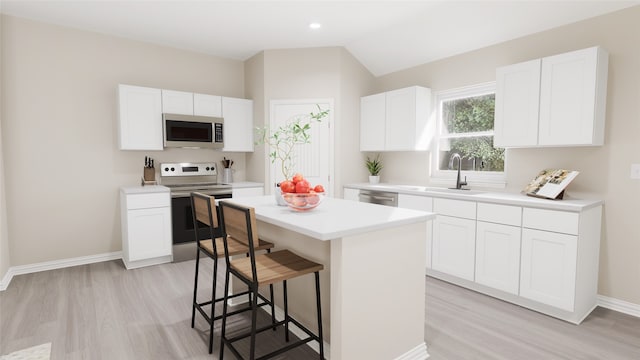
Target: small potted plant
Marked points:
374	166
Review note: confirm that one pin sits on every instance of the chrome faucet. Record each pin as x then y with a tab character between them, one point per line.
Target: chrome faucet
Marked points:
459	183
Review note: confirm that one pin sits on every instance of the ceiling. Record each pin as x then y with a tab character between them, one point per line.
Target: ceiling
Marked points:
385	36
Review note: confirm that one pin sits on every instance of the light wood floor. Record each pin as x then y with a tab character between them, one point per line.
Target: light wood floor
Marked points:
102	311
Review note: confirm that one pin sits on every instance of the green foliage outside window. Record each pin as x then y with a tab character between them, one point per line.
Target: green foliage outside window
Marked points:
465	117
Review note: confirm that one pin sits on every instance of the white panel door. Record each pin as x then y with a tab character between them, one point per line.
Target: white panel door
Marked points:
238	124
517	104
372	122
313	160
149	233
139	118
567	98
400	133
454	246
177	102
548	268
498	256
207	105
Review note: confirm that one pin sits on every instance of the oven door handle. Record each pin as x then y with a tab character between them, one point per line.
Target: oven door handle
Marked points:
217	194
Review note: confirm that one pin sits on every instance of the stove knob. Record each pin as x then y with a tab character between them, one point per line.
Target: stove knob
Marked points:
166	169
173	169
207	168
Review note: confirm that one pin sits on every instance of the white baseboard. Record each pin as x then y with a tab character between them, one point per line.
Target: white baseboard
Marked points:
6	279
56	264
622	306
417	353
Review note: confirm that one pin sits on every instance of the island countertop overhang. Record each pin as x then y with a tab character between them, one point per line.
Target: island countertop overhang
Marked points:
333	218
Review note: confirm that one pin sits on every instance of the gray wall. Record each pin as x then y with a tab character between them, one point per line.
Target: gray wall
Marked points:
313	74
58	109
4	236
604	171
62	165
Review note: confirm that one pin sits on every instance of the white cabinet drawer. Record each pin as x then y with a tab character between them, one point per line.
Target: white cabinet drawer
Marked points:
415	202
147	201
457	208
500	214
551	220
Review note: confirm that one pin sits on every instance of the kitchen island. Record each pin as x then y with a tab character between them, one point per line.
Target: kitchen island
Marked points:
373	287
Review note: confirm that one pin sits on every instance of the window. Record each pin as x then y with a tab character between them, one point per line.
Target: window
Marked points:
465	127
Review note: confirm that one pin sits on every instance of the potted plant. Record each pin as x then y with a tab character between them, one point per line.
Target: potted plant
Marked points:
374	166
283	141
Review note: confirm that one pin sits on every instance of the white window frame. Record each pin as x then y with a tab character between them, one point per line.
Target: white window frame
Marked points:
490	179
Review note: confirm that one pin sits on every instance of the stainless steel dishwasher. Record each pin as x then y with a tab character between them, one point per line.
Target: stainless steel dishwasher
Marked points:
379	197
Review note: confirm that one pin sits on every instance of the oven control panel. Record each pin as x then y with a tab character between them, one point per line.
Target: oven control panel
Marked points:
187	169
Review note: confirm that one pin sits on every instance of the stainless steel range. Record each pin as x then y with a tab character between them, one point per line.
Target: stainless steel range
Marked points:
183	179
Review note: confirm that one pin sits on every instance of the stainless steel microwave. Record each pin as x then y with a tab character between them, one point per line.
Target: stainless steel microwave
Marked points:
189	131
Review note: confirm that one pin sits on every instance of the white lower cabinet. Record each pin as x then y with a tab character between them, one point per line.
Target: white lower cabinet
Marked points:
423	203
549	268
351	194
542	257
498	256
146	228
453	248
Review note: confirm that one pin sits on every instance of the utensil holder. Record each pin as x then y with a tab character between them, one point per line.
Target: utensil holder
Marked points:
227	176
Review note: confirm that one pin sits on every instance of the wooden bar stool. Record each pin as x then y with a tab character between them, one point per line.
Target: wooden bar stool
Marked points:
204	213
239	224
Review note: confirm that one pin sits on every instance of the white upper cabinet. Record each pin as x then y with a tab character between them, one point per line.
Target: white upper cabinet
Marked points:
139	118
571	104
396	120
238	124
573	96
517	104
207	105
372	122
177	102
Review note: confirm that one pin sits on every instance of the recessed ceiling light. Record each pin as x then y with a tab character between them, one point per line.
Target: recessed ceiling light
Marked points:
315	26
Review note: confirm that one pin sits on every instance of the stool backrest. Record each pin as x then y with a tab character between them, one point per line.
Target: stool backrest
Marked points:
204	211
239	223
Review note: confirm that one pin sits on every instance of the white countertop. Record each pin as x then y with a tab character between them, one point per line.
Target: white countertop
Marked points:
567	204
144	189
246	184
333	218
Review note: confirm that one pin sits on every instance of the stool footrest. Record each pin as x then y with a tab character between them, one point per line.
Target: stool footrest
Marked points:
235	312
311	337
